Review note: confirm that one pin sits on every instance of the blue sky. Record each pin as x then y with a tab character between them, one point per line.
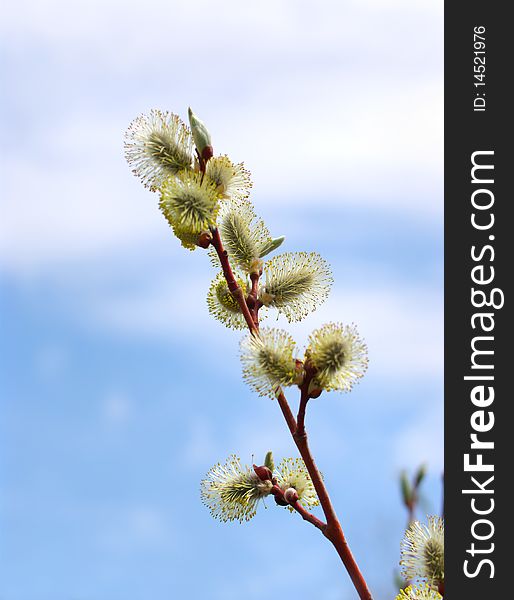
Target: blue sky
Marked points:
118	391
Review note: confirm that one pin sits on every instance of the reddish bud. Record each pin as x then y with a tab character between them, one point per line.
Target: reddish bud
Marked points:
299	372
315	393
204	239
207	153
280	501
291	495
263	473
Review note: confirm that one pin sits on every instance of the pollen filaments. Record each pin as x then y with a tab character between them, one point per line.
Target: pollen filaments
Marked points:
268	361
189	201
157	146
189	236
419	592
422	552
244	236
296	283
291	473
222	304
231	180
232	491
338	355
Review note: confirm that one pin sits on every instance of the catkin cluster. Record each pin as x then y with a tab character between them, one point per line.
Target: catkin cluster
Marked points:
202	196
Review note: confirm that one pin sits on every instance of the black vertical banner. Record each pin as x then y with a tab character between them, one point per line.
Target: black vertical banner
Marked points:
479	241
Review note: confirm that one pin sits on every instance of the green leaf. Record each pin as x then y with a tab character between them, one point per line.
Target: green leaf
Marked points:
269	462
271	246
406	489
200	133
420	475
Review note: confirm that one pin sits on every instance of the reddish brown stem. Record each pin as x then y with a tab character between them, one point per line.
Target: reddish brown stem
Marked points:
286	411
305	514
253	298
254	277
410	511
332	529
304	398
232	284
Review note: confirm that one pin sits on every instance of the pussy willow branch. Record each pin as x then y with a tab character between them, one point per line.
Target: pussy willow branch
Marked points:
232	284
253	301
304	398
332	529
305	514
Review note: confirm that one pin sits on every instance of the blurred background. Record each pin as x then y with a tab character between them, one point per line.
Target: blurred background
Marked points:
118	391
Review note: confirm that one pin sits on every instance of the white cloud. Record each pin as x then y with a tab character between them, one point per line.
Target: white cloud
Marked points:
325	105
162	25
69	213
402	325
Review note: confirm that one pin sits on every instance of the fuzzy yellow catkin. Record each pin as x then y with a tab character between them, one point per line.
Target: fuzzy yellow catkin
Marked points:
232	491
157	146
268	360
296	283
339	356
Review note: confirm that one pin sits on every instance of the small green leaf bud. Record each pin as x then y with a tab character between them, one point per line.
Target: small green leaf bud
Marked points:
271	246
201	136
406	489
269	462
420	475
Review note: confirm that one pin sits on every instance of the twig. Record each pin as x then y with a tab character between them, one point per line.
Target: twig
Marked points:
253	301
332	529
304	398
286	411
305	514
232	284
